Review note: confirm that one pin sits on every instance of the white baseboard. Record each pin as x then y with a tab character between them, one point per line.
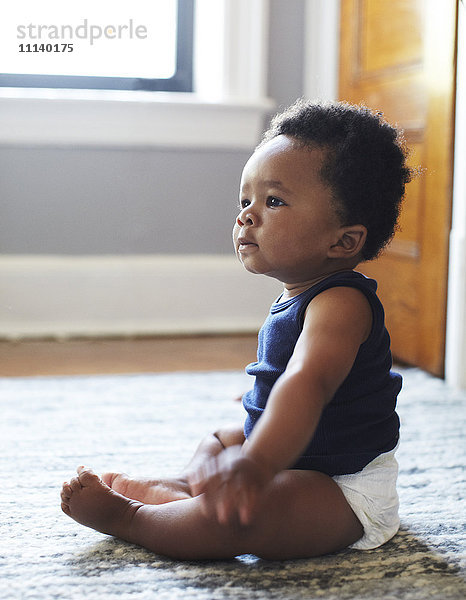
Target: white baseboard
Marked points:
66	296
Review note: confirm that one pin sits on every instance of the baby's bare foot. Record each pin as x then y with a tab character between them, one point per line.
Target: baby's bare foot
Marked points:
149	491
89	501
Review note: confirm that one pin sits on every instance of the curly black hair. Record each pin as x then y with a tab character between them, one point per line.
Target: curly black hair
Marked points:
364	163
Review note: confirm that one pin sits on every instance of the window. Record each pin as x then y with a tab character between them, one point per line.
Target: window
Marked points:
120	45
225	109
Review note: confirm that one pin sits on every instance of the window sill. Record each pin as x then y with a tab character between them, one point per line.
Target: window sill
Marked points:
108	118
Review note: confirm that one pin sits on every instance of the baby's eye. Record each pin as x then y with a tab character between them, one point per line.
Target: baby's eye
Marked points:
274	202
243	203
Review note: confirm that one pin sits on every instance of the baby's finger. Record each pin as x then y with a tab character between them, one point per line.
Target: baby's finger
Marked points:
247	505
197	485
205	506
224	502
223	514
205	477
245	514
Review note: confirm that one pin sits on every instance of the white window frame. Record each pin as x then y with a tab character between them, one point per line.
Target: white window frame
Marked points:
226	109
322	40
455	359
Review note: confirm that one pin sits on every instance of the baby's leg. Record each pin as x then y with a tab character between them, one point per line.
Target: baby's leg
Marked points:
303	514
160	491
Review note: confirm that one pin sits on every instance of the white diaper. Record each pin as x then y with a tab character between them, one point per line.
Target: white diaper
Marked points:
372	495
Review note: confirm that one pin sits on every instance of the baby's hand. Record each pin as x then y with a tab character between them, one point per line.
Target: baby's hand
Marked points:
231	484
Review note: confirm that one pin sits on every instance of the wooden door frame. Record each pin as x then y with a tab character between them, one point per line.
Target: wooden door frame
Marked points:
321	83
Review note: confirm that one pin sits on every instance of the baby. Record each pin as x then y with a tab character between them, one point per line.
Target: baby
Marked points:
313	470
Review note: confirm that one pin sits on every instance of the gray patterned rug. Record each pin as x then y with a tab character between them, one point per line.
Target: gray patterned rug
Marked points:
150	424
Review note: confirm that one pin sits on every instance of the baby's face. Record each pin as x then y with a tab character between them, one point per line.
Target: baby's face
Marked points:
286	222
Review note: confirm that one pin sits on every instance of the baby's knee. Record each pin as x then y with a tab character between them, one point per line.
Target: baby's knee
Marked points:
230	436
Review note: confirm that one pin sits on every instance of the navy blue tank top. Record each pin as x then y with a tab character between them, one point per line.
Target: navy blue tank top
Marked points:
360	421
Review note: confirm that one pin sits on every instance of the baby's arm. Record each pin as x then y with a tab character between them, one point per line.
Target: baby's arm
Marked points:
337	322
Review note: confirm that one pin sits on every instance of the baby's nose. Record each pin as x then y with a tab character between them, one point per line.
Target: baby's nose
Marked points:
245	217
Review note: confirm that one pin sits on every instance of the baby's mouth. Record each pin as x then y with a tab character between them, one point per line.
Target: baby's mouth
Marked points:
245	242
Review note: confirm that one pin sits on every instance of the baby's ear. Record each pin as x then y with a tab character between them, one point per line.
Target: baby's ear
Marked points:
350	242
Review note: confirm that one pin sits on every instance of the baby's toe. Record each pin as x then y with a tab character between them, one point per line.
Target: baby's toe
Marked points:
87	477
75	484
65	508
66	492
109	478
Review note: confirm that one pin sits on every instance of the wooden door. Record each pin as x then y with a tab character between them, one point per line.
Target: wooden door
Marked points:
398	56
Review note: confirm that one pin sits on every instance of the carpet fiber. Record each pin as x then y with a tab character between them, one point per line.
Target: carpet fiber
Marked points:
150	425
